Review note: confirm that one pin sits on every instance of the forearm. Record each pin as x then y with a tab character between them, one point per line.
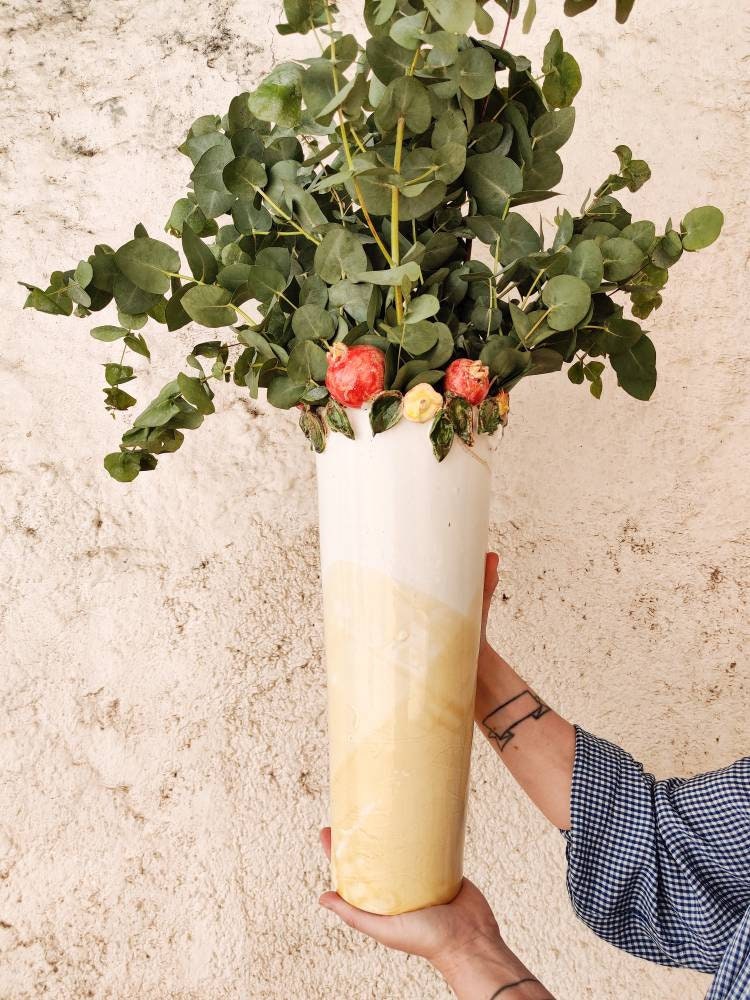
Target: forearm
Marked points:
489	971
535	743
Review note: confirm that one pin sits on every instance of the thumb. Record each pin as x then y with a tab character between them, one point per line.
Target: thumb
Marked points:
491	578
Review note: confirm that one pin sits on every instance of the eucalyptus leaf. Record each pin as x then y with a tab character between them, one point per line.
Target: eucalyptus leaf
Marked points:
312	322
108	334
307	362
209	305
701	227
636	368
492	180
453	15
587	263
340	254
202	262
148	264
622	258
244	176
283	393
568	299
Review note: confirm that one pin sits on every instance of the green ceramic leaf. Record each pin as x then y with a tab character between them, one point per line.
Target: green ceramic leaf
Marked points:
386	411
337	419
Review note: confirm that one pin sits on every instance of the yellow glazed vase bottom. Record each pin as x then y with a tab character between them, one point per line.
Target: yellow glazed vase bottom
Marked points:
401	686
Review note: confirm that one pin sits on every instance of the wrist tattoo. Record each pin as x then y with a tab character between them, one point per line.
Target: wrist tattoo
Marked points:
501	723
509	986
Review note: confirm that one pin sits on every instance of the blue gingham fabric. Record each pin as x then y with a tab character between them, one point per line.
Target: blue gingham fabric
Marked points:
661	869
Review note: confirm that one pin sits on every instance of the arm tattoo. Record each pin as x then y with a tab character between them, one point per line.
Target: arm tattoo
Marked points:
510	715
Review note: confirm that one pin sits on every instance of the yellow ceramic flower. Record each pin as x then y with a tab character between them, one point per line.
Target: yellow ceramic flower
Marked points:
421	403
503	405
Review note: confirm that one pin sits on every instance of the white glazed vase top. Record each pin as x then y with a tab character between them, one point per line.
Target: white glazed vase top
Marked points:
402	539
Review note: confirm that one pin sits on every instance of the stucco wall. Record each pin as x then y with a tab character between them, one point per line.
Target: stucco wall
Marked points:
162	708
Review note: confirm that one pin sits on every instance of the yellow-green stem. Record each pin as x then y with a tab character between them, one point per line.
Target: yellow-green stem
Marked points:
395	222
287	218
347	147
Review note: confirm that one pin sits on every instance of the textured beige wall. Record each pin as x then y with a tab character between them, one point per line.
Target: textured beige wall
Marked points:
162	716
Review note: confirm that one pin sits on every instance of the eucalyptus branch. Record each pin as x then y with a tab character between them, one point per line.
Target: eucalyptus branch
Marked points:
408	146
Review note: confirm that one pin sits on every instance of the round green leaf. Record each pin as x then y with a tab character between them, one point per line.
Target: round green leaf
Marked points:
544	172
619	335
243	176
475	69
307	362
422	307
279	97
636	368
339	255
208	180
563	82
407	98
407	31
701	227
553	129
196	393
203	264
493	180
587	264
416	339
108	333
442	352
622	258
517	238
123	466
568	299
284	393
312	322
453	15
643	234
209	305
504	361
388	60
147	264
264	282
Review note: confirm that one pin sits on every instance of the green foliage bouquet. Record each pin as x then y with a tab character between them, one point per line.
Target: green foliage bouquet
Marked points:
338	205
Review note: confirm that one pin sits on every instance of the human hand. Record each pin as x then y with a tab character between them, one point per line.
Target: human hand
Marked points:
461	939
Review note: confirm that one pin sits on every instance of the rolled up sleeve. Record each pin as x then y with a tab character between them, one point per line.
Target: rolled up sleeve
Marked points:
660	869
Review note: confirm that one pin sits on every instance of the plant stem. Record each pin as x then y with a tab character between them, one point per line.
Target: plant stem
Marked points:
507	25
347	147
240	312
395	233
184	277
534	327
285	215
534	283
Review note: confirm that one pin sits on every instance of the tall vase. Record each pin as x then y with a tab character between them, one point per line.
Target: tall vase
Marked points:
402	541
